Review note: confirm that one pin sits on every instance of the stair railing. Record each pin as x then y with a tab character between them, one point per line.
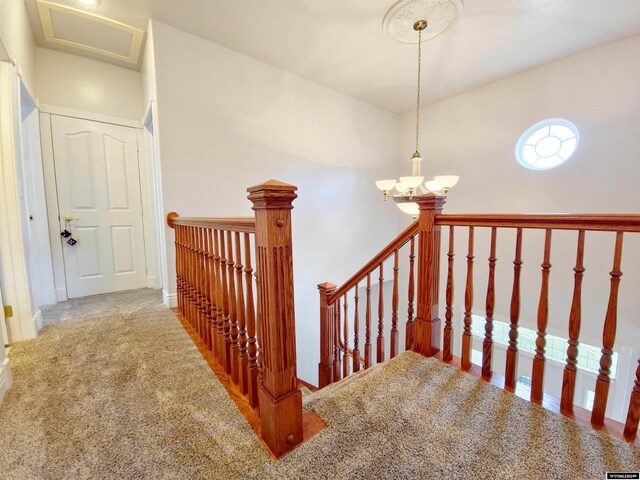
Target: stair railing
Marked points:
426	335
251	337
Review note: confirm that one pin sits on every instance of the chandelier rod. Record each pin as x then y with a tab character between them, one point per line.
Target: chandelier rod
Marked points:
418	26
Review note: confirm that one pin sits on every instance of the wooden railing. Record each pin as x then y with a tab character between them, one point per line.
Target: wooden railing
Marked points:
251	337
423	333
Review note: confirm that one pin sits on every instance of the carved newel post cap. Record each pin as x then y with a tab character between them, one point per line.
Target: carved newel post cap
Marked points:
272	194
430	201
327	286
272	185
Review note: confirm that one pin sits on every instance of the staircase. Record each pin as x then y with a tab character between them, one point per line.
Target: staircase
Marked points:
249	339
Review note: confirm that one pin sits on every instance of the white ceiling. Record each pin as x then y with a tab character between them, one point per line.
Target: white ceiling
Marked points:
340	43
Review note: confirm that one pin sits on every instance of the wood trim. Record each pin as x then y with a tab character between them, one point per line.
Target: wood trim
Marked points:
310	386
370	266
231	224
560	221
579	414
94	117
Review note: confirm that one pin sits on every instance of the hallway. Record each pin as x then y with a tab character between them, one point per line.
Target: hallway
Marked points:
114	388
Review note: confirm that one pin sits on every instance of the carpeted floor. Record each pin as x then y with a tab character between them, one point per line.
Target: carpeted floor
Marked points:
114	388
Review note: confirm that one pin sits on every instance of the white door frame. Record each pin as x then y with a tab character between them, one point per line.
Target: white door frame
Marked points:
147	192
14	269
154	170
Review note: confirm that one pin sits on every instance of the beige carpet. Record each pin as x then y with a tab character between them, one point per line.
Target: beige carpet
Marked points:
113	388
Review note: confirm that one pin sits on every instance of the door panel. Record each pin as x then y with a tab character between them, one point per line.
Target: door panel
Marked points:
98	182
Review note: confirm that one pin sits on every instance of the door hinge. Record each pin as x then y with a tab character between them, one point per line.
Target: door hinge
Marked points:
8	311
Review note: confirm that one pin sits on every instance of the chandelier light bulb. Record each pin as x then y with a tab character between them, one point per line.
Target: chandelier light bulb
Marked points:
401	187
411	182
447	181
386	185
410	208
433	186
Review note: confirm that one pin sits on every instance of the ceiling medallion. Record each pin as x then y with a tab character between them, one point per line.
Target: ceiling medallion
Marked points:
440	14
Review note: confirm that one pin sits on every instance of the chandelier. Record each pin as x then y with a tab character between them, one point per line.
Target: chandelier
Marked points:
406	188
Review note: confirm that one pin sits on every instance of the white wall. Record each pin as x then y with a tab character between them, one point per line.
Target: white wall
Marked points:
17	33
80	83
474	135
229	122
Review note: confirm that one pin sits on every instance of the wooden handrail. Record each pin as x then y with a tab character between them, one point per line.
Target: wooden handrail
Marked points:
560	221
231	224
385	253
424	329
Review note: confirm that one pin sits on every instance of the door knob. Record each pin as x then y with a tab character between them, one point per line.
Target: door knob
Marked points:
68	218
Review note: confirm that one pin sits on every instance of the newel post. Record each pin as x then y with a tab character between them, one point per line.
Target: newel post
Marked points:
327	335
280	400
427	323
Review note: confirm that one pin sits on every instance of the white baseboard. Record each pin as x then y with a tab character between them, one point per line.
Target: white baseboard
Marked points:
61	294
37	320
170	300
5	378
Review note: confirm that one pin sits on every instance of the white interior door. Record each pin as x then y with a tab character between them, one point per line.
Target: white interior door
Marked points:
98	184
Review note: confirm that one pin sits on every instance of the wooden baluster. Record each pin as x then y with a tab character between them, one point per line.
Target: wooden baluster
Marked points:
427	336
356	332
196	284
203	287
608	339
410	328
207	289
487	344
176	233
367	336
537	374
447	354
337	369
222	356
347	355
243	358
185	278
570	369
327	335
280	399
193	282
633	414
395	340
380	344
511	369
234	351
213	313
190	275
468	306
225	303
252	348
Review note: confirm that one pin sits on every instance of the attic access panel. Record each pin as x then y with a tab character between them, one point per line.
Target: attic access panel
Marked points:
78	29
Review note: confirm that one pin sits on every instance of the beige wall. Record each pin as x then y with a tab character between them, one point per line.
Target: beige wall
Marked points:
80	83
17	32
474	135
229	122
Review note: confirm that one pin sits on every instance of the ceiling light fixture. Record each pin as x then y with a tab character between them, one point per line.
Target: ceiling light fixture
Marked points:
93	3
443	14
